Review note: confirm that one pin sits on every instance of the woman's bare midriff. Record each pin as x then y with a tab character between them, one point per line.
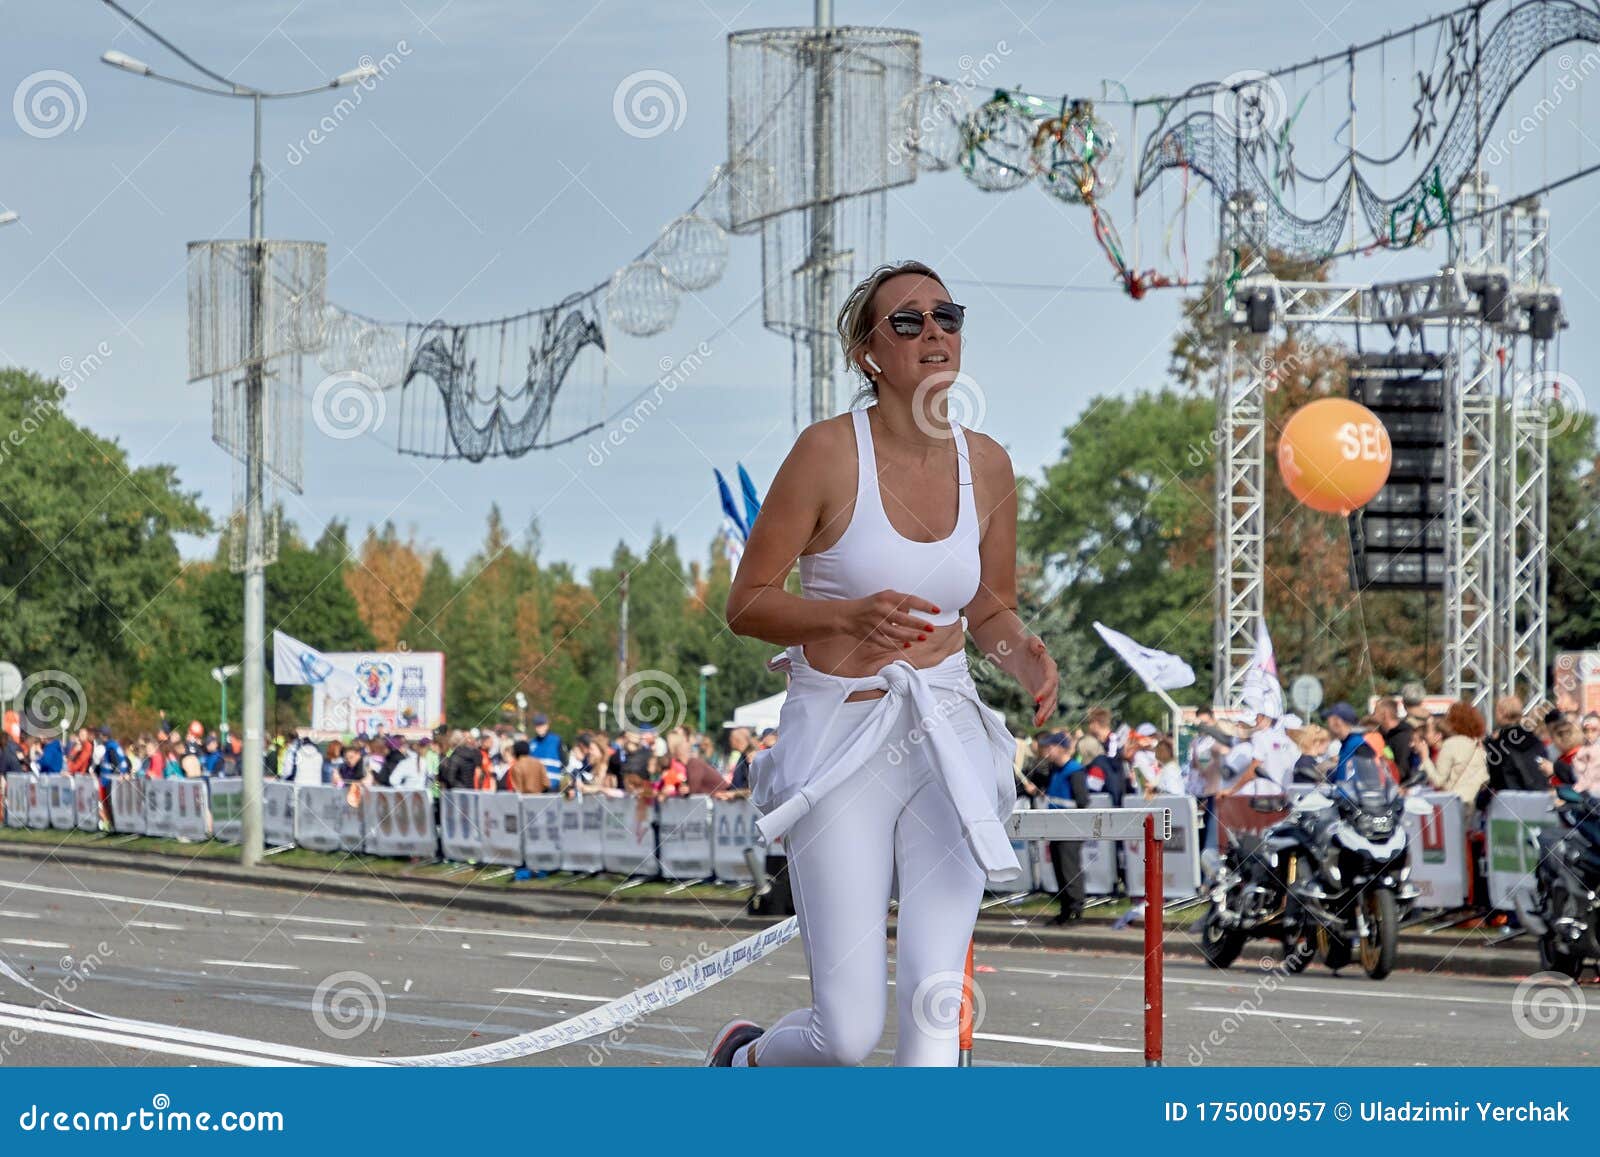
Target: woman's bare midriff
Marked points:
850	658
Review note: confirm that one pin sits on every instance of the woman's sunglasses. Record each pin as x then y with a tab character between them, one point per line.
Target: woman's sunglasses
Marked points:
948	316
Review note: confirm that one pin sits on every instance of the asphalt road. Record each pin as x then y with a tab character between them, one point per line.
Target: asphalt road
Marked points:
397	979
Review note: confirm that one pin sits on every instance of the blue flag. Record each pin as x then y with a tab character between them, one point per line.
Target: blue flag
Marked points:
728	507
752	504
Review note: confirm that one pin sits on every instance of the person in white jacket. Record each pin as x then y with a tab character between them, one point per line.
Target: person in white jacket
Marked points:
890	767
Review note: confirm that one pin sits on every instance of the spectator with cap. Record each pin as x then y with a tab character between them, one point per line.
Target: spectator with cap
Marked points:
1068	782
548	748
1344	725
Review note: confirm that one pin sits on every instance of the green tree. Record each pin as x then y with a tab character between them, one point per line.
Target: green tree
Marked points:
87	547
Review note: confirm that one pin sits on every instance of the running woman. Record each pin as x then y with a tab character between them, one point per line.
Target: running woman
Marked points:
892	776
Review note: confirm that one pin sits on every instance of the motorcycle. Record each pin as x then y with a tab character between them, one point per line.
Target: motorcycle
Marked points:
1563	911
1330	881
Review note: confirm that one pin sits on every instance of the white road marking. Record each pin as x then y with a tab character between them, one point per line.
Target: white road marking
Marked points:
19	915
30	1023
289	916
110	897
555	995
20	943
254	964
573	939
550	956
326	939
1287	987
1274	1015
158	927
163	1033
1044	1042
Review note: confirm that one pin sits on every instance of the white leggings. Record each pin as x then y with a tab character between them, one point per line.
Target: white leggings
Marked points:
892	817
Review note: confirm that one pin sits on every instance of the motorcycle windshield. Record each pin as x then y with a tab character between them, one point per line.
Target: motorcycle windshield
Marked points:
1366	788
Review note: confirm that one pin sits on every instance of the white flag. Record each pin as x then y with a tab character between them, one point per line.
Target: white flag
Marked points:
1261	692
1160	670
294	662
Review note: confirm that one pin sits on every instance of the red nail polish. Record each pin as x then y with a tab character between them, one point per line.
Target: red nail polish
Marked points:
905	644
919	639
936	610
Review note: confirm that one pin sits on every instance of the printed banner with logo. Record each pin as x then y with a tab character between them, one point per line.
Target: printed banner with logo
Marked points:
1512	816
1180	859
461	825
398	822
17	801
686	837
733	826
398	692
1437	852
628	841
227	809
541	831
277	812
582	830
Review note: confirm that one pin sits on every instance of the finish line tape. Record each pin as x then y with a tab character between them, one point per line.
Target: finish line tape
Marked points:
675	987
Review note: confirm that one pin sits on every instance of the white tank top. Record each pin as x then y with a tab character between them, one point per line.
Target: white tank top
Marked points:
872	555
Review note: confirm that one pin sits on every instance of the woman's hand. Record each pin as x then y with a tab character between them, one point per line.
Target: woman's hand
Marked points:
888	619
1040	679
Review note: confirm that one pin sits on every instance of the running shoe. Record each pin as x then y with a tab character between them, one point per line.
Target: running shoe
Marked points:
730	1039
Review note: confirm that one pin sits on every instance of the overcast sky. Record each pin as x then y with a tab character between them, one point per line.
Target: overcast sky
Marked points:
487	174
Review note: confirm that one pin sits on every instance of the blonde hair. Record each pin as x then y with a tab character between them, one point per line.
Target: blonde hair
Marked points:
856	322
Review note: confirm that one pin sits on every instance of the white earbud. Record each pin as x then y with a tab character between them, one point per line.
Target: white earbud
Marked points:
873	362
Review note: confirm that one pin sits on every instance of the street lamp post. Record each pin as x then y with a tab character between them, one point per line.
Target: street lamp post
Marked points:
255	432
222	675
705	673
602	707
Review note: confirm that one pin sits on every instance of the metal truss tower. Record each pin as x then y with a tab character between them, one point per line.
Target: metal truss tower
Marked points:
1498	313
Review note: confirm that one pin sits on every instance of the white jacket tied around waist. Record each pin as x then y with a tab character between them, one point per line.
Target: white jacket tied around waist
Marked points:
810	759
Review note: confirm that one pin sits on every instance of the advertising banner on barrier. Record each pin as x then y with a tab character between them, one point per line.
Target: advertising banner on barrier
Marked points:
398	822
38	803
460	826
628	842
128	812
1511	817
17	801
686	837
190	820
733	831
277	813
541	831
500	816
227	808
1437	852
394	692
1180	859
318	816
61	802
582	830
160	808
86	802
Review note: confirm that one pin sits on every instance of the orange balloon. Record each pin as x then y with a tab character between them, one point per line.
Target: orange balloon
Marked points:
1334	455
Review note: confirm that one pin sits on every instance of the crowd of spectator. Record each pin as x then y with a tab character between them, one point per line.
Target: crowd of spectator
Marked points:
1453	751
638	761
